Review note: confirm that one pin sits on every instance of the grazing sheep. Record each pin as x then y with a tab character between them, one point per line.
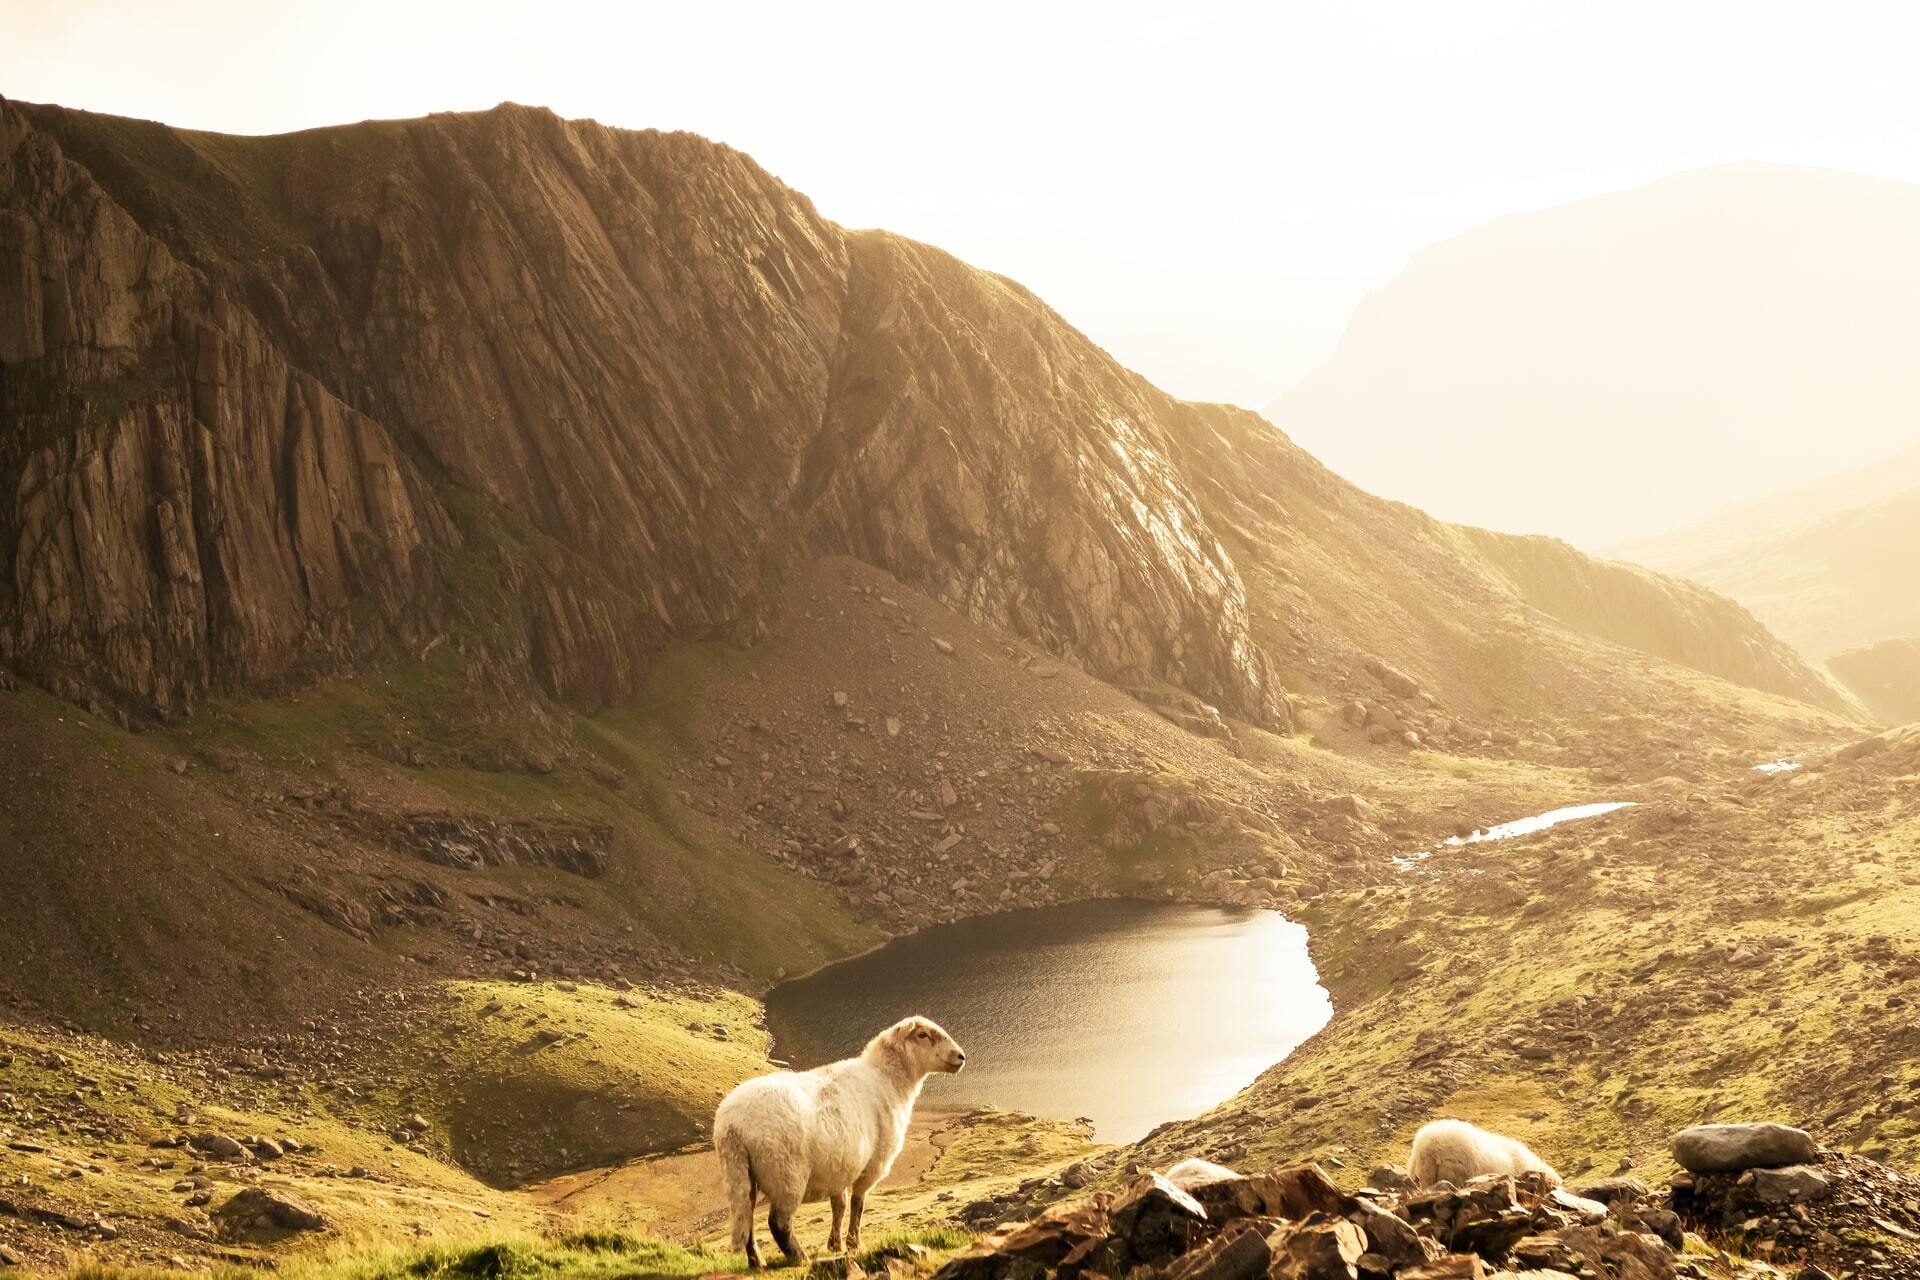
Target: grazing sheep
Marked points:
1457	1152
825	1134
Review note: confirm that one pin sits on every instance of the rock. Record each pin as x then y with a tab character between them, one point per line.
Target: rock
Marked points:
1242	1251
1390	1177
1152	1219
1392	679
1457	1267
1614	1190
1017	1252
1353	806
1729	1148
841	1268
943	646
1318	1251
1793	1184
1388	1235
258	1209
1077	1175
220	1146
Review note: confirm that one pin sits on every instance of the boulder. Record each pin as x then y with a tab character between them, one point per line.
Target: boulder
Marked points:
1616	1190
1730	1148
1153	1219
1794	1184
258	1209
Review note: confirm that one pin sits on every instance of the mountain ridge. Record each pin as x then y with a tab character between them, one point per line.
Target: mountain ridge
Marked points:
457	365
1671	345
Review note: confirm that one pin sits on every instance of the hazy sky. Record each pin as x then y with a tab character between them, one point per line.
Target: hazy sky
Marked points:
1205	189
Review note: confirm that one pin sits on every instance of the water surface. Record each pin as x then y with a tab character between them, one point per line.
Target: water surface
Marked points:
1128	1013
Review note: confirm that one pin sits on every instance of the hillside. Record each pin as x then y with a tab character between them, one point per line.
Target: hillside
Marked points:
483	598
1730	530
1619	366
1837	580
1886	676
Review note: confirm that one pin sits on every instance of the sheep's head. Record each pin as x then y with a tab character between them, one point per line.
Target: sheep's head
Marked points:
923	1045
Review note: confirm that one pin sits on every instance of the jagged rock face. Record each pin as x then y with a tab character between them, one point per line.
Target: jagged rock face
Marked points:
276	403
981	448
179	502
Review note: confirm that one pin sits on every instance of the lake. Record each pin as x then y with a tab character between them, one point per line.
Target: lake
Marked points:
1128	1013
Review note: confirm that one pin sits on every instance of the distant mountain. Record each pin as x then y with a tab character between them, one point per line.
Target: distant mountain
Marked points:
1830	566
1621	365
1885	675
1685	551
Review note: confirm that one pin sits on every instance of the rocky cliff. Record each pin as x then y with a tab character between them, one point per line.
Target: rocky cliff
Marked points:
280	402
557	394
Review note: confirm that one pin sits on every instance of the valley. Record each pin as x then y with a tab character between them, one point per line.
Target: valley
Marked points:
485	600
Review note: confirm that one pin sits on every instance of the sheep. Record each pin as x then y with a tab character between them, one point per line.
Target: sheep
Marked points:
1457	1152
825	1134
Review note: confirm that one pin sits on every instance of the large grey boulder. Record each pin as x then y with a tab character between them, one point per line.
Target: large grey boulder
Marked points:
1730	1148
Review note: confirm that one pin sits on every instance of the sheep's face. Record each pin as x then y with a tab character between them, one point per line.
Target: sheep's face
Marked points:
927	1046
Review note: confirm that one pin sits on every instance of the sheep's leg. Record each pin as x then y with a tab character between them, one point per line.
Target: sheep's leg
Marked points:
839	1199
858	1202
780	1225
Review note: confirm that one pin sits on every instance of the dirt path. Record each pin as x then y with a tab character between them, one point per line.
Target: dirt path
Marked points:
681	1197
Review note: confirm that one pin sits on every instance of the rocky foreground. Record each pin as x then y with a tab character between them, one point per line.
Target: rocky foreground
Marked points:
1751	1200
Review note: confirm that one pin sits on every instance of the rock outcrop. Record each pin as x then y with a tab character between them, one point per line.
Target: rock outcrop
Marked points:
1203	1222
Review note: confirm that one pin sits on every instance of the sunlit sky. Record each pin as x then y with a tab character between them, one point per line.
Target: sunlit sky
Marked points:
1205	189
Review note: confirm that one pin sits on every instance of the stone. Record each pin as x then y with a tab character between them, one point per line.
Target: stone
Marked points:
257	1209
1388	1235
1318	1251
1793	1184
1614	1190
1153	1219
220	1146
1390	1177
1730	1148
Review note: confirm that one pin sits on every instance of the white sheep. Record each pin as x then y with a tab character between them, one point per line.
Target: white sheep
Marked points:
825	1134
1457	1152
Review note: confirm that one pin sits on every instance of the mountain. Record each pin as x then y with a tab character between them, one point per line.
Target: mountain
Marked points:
1827	567
1730	530
484	598
1886	676
1611	368
563	393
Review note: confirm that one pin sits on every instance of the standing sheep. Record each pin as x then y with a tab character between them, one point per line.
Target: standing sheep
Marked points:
1457	1152
825	1134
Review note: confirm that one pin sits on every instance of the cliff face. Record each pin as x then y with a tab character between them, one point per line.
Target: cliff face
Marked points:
181	505
279	402
558	394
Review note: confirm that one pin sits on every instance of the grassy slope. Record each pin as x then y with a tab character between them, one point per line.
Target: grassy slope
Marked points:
1743	951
